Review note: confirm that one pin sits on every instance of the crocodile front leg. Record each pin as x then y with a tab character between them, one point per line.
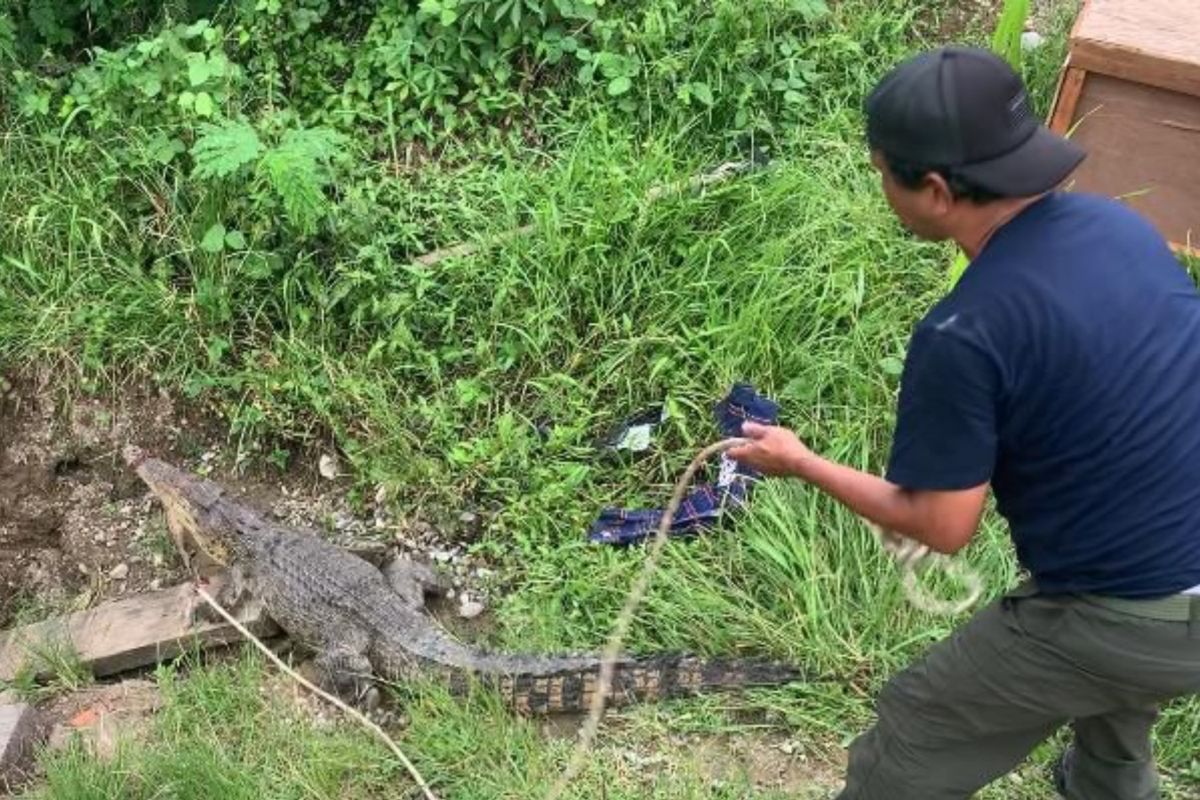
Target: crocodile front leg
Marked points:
413	581
346	673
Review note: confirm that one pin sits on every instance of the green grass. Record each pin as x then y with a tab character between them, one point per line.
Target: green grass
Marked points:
434	381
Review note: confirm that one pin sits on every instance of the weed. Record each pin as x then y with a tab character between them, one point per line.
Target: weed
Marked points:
51	667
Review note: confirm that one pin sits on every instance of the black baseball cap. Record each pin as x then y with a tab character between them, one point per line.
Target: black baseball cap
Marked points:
964	109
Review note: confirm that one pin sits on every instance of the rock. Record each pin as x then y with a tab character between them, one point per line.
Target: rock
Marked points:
120	572
470	609
1031	40
327	465
156	584
442	556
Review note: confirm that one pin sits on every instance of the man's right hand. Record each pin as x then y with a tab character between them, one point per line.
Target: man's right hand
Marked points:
772	450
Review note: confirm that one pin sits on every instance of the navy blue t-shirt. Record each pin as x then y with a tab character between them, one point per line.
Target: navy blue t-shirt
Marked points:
1064	368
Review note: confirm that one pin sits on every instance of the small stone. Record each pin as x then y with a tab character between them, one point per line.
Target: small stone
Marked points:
442	556
83	569
1031	40
470	609
120	572
327	465
381	495
156	584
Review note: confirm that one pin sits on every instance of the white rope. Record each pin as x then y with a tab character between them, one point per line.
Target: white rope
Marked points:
291	673
914	558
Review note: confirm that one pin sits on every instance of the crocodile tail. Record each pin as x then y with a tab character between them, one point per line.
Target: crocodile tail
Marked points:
643	680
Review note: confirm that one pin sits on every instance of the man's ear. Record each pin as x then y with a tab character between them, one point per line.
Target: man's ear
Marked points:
940	196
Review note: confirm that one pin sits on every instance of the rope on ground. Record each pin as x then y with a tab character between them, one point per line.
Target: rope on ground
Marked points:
291	673
912	556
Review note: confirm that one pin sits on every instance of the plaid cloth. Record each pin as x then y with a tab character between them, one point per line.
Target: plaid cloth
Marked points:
703	505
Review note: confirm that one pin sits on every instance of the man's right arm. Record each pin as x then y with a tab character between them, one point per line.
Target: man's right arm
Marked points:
944	520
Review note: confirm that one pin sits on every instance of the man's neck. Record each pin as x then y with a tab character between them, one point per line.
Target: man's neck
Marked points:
980	223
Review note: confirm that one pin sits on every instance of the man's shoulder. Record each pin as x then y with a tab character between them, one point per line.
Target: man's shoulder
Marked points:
1107	215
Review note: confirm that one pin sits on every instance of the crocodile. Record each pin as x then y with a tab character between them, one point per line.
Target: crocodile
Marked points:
363	623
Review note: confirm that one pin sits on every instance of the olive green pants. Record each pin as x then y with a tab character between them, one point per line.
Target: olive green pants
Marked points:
978	702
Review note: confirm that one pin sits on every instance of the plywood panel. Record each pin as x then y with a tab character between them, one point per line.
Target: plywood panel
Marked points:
1156	42
1142	142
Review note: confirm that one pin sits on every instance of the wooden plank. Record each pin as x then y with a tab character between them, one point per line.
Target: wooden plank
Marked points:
126	634
1149	41
19	734
1142	143
1066	101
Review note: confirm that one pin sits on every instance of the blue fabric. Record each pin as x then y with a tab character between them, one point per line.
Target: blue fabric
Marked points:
703	505
1064	368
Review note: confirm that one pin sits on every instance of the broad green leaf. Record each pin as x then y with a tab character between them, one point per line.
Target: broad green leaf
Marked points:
702	93
198	71
204	104
235	240
195	29
214	239
164	150
619	85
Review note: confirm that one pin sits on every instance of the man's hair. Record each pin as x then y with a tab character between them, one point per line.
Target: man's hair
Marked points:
910	175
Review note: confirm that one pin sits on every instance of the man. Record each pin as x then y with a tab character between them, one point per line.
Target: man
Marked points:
1063	373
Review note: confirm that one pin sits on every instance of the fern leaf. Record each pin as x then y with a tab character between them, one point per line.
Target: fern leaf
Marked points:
297	169
222	150
317	144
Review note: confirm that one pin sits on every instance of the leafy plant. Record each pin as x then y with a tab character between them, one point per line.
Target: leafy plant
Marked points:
176	79
297	169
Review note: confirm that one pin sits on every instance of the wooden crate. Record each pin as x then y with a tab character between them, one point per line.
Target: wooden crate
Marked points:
1130	95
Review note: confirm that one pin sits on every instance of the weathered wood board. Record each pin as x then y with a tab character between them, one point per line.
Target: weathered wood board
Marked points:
19	733
1154	42
1130	95
125	634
